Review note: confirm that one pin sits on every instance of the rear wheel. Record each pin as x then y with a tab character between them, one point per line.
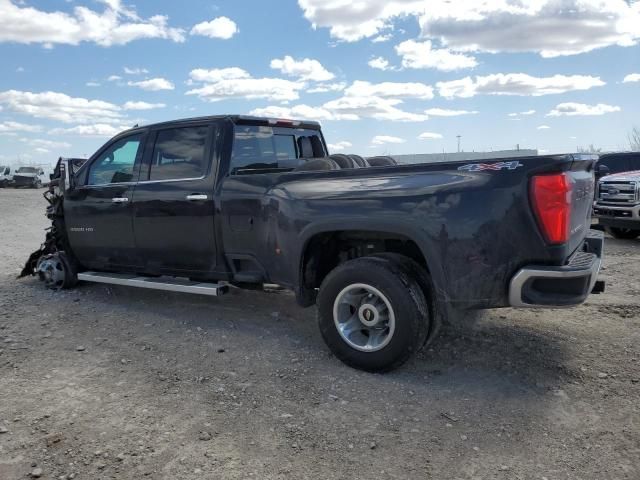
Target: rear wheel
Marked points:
373	314
623	233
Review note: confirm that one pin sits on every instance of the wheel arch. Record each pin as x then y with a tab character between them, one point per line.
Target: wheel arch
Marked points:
325	247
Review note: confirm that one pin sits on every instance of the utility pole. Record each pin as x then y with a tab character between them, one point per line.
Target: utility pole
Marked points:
458	137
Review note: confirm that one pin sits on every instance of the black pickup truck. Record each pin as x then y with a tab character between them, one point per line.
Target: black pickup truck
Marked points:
385	250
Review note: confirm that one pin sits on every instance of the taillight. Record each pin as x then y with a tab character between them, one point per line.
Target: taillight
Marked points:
551	200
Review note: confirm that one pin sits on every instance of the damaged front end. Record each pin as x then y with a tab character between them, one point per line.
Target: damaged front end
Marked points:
54	261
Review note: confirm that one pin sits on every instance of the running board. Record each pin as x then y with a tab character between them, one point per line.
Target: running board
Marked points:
171	284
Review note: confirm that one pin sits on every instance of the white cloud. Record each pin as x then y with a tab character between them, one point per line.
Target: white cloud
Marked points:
217	74
361	88
382	38
41	150
94	130
142	106
429	136
297	112
441	112
547	27
385	139
580	109
632	77
544	127
153	84
250	88
327	87
550	28
516	84
226	83
221	27
114	78
379	63
518	114
38	142
339	146
135	71
11	127
116	25
92	84
305	69
59	106
352	21
419	55
356	107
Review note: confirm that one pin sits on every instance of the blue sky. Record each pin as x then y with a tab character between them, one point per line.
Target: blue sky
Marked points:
396	76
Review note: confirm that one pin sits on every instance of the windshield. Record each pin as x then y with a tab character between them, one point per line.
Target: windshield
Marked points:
27	170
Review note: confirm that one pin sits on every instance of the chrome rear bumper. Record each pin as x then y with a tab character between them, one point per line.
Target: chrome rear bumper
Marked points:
563	286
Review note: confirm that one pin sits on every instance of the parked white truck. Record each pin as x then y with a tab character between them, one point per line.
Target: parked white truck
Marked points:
6	176
617	205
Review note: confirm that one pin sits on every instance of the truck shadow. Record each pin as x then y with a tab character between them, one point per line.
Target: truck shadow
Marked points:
479	347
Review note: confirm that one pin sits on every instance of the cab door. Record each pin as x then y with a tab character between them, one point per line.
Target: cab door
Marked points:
174	205
99	213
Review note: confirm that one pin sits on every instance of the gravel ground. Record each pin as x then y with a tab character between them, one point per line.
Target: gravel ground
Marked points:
109	382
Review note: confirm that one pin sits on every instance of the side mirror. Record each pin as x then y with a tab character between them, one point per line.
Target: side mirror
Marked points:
602	171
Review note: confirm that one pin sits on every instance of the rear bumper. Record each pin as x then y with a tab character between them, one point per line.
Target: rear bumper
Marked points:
564	286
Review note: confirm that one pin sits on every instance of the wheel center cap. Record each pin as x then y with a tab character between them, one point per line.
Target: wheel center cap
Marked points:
368	315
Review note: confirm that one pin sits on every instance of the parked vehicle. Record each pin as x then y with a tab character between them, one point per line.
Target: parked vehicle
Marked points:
619	162
33	177
6	176
200	204
617	205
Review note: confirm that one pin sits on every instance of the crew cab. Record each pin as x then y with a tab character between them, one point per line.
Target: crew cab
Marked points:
384	250
617	205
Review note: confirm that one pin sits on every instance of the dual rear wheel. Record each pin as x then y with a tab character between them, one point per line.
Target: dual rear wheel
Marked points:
376	312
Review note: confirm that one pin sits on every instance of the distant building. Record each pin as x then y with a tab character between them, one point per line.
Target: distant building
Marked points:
462	156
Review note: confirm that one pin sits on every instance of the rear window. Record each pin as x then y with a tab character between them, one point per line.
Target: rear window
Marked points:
179	153
262	149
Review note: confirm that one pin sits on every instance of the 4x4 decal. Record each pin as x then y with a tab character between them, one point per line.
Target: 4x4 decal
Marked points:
482	167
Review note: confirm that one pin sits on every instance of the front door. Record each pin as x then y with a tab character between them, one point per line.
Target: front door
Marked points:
174	206
98	212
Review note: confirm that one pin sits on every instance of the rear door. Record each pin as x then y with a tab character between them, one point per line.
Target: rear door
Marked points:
174	201
98	212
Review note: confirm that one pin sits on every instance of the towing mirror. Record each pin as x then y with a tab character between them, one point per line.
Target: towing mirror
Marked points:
602	171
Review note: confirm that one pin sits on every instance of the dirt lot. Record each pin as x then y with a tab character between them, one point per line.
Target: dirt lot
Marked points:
107	382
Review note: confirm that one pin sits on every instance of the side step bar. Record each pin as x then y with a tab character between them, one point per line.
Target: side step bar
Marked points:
171	284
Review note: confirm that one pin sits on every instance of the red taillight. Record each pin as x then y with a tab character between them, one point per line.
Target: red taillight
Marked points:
551	199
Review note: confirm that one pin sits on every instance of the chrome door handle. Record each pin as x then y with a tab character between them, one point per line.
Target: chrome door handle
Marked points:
197	197
119	200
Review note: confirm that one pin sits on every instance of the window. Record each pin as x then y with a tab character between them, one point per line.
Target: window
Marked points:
179	153
265	149
615	164
116	164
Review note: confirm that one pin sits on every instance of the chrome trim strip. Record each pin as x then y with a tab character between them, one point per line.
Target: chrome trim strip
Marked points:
172	285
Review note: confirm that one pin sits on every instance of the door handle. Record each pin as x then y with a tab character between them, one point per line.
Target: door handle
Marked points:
119	200
195	197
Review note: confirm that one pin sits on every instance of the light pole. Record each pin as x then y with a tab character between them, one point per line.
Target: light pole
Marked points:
458	137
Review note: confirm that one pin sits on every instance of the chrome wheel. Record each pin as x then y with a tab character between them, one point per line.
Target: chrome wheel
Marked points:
364	317
51	270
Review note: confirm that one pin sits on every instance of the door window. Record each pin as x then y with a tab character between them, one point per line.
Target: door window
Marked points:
179	153
116	164
616	164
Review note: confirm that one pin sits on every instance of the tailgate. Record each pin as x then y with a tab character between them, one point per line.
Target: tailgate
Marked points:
582	195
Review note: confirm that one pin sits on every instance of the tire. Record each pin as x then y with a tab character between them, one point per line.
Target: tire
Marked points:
397	304
623	233
437	313
57	272
37	184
